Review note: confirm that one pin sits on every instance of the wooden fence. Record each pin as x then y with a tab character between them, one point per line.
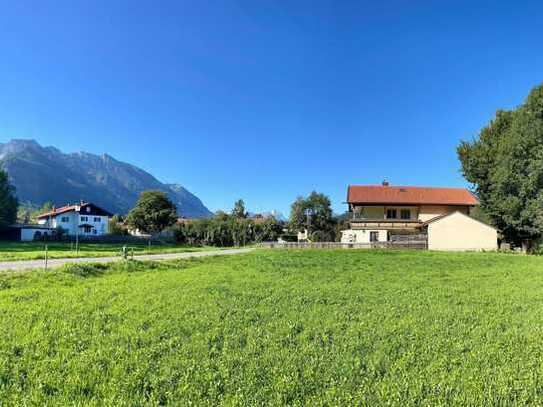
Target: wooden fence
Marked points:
403	244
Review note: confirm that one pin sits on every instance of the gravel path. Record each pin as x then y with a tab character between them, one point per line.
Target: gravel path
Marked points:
36	264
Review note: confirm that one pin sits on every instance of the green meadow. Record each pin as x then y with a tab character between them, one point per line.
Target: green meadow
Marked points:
57	250
280	327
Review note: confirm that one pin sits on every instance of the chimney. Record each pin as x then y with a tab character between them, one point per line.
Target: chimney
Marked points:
385	183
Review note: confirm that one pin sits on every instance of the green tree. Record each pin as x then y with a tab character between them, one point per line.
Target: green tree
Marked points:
239	210
8	201
268	231
116	226
298	218
505	165
221	215
313	213
153	213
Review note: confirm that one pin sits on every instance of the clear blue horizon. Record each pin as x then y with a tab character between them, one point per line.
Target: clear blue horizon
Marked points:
266	101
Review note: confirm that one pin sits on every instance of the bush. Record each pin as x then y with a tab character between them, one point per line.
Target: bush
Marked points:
226	231
322	236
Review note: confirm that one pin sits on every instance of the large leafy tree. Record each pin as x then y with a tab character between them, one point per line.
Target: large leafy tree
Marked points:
505	164
8	201
239	210
153	212
313	213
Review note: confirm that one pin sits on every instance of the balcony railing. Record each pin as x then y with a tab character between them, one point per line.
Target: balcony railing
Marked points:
359	217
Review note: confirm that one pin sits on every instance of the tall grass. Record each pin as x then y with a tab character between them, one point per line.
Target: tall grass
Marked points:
277	327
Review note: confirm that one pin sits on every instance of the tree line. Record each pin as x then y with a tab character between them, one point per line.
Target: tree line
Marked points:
505	165
155	213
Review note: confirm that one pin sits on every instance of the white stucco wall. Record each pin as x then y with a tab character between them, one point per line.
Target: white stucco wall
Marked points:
461	232
27	234
362	236
74	219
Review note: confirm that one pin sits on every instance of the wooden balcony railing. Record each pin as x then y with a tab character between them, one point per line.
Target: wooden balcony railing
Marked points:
358	217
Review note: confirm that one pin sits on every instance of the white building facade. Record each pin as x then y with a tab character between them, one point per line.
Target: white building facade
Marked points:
85	219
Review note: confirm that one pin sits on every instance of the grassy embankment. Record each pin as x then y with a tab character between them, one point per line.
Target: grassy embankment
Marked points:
278	327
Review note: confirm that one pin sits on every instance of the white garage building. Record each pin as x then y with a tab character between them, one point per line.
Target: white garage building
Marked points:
457	231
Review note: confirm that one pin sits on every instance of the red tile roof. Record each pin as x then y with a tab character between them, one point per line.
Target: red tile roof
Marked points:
64	209
405	195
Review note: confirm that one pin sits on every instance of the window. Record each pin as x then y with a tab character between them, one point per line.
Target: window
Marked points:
94	232
392	214
88	209
97	219
84	218
405	214
64	219
374	236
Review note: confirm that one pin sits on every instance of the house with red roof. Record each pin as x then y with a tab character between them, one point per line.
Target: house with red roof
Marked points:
83	219
381	213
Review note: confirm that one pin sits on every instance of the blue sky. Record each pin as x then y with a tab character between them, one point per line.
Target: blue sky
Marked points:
267	100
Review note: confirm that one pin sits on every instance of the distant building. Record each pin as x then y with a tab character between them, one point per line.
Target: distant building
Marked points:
28	232
381	213
83	219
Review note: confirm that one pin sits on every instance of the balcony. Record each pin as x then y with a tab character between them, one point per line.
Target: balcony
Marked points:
358	221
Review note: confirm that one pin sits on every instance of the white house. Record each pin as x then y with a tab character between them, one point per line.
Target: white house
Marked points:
83	219
381	213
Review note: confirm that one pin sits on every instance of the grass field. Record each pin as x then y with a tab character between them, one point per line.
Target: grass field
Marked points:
57	250
278	327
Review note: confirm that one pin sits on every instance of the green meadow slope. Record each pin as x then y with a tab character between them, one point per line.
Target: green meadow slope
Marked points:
277	327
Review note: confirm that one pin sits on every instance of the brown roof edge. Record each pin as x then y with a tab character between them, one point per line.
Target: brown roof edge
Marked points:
452	213
410	195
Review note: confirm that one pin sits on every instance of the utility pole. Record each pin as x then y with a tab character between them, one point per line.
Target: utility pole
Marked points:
76	229
308	215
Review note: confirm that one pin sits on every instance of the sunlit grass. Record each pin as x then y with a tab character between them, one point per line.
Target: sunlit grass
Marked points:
277	327
36	250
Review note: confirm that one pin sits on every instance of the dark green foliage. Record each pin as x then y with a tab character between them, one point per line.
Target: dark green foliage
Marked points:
8	202
116	226
239	210
224	231
153	213
505	163
315	214
28	212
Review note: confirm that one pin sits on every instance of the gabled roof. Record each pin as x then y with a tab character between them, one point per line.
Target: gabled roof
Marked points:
406	195
70	208
440	217
58	211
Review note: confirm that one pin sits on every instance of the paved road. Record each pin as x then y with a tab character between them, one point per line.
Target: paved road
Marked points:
36	264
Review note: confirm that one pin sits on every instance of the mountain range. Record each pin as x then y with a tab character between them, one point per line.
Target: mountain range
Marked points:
45	174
